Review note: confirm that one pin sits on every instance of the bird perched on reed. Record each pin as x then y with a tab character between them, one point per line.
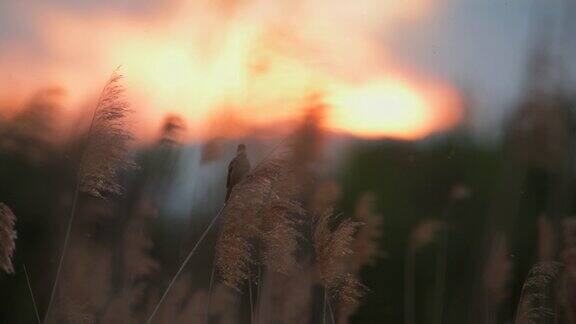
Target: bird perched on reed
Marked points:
237	169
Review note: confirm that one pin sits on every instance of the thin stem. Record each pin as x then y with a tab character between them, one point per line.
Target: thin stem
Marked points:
210	286
259	285
251	304
32	294
63	253
186	260
324	307
74	203
202	237
211	283
331	310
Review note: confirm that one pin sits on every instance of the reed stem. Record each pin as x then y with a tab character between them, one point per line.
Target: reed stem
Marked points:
251	301
32	295
63	253
183	265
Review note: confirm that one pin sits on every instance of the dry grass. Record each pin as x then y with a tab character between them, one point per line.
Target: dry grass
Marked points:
108	142
498	271
333	248
280	235
244	219
367	244
7	238
537	302
104	155
264	237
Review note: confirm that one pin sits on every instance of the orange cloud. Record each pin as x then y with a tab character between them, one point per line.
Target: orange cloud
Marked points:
259	59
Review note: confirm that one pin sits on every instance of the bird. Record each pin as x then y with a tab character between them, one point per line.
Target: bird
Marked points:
237	169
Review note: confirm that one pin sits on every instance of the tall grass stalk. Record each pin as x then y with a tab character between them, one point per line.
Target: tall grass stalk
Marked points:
103	155
183	265
63	253
210	291
32	295
324	306
331	311
251	301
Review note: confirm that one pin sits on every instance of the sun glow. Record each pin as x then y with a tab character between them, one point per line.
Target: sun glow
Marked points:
390	107
253	61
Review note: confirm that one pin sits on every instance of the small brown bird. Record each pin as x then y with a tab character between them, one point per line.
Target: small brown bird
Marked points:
237	169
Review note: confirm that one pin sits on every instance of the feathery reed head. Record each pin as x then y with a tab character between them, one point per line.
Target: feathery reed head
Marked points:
280	236
242	220
538	294
568	253
350	291
569	231
7	238
366	246
36	121
172	129
546	239
424	233
260	210
30	133
307	141
108	140
331	247
498	270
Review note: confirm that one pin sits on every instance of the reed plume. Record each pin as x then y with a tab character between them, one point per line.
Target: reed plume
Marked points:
546	239
332	249
537	301
569	231
350	291
496	279
308	141
104	155
366	252
568	255
366	246
172	129
280	235
107	145
424	233
31	131
7	238
332	246
243	220
498	271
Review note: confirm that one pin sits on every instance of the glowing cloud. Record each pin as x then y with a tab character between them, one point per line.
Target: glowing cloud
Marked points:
258	59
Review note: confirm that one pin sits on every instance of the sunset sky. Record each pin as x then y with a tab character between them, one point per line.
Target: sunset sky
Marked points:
367	57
